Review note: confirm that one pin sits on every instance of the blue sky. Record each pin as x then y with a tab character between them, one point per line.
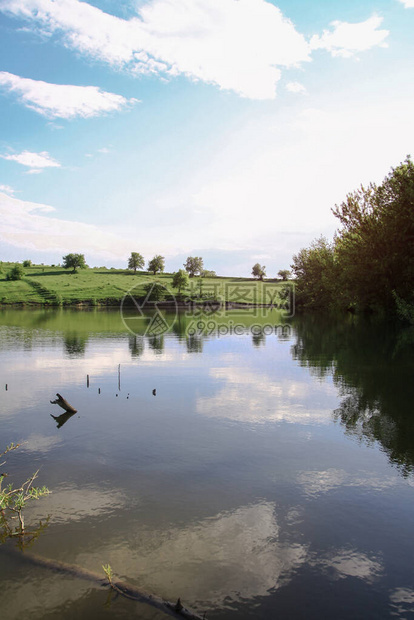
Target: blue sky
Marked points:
221	128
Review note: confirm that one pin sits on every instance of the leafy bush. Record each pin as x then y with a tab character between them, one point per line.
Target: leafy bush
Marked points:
13	500
16	273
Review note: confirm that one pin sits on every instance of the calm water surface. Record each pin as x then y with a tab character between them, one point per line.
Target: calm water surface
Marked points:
270	476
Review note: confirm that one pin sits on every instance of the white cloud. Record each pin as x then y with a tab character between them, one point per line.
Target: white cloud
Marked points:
236	44
23	224
63	100
35	161
334	148
347	39
7	189
295	87
409	4
103	151
34	171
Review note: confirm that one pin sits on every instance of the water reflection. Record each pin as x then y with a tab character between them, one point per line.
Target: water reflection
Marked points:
343	563
156	344
68	503
75	345
258	339
402	602
62	418
235	480
194	344
250	396
229	557
37	442
136	345
372	367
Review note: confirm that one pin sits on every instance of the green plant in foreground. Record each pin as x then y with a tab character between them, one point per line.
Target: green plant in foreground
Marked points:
109	573
13	501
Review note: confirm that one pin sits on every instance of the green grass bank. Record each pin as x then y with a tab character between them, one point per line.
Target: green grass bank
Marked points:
44	285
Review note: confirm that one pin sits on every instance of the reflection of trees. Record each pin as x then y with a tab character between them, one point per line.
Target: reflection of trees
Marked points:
258	338
372	364
180	325
194	344
75	345
136	345
156	343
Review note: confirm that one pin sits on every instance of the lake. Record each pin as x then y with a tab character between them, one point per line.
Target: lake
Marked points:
270	475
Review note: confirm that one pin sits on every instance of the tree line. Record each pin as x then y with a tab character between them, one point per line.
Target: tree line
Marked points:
369	265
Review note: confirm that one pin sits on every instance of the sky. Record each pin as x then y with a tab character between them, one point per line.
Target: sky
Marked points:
226	129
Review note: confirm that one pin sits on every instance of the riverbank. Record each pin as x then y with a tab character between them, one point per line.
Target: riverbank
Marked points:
44	286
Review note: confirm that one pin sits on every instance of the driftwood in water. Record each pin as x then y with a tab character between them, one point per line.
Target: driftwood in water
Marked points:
64	404
176	610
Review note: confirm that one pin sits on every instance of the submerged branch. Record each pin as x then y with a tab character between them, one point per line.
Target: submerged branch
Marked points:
125	589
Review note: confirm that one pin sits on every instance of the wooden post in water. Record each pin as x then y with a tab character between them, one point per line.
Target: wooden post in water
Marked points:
87	380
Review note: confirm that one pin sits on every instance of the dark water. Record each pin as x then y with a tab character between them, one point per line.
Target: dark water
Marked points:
269	477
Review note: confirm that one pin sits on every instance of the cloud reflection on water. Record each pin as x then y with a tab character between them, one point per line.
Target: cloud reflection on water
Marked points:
402	602
68	503
217	561
342	563
315	483
249	396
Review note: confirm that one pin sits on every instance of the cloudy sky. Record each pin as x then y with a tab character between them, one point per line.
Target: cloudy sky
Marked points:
221	128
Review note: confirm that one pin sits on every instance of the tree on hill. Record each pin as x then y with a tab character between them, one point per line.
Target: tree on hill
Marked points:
136	261
180	280
156	264
27	263
74	261
16	273
208	273
284	274
258	271
193	265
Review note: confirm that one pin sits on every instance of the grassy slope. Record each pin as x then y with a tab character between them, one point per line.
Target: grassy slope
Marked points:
56	286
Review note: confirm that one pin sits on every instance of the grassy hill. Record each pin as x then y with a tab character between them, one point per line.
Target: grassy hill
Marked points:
55	286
